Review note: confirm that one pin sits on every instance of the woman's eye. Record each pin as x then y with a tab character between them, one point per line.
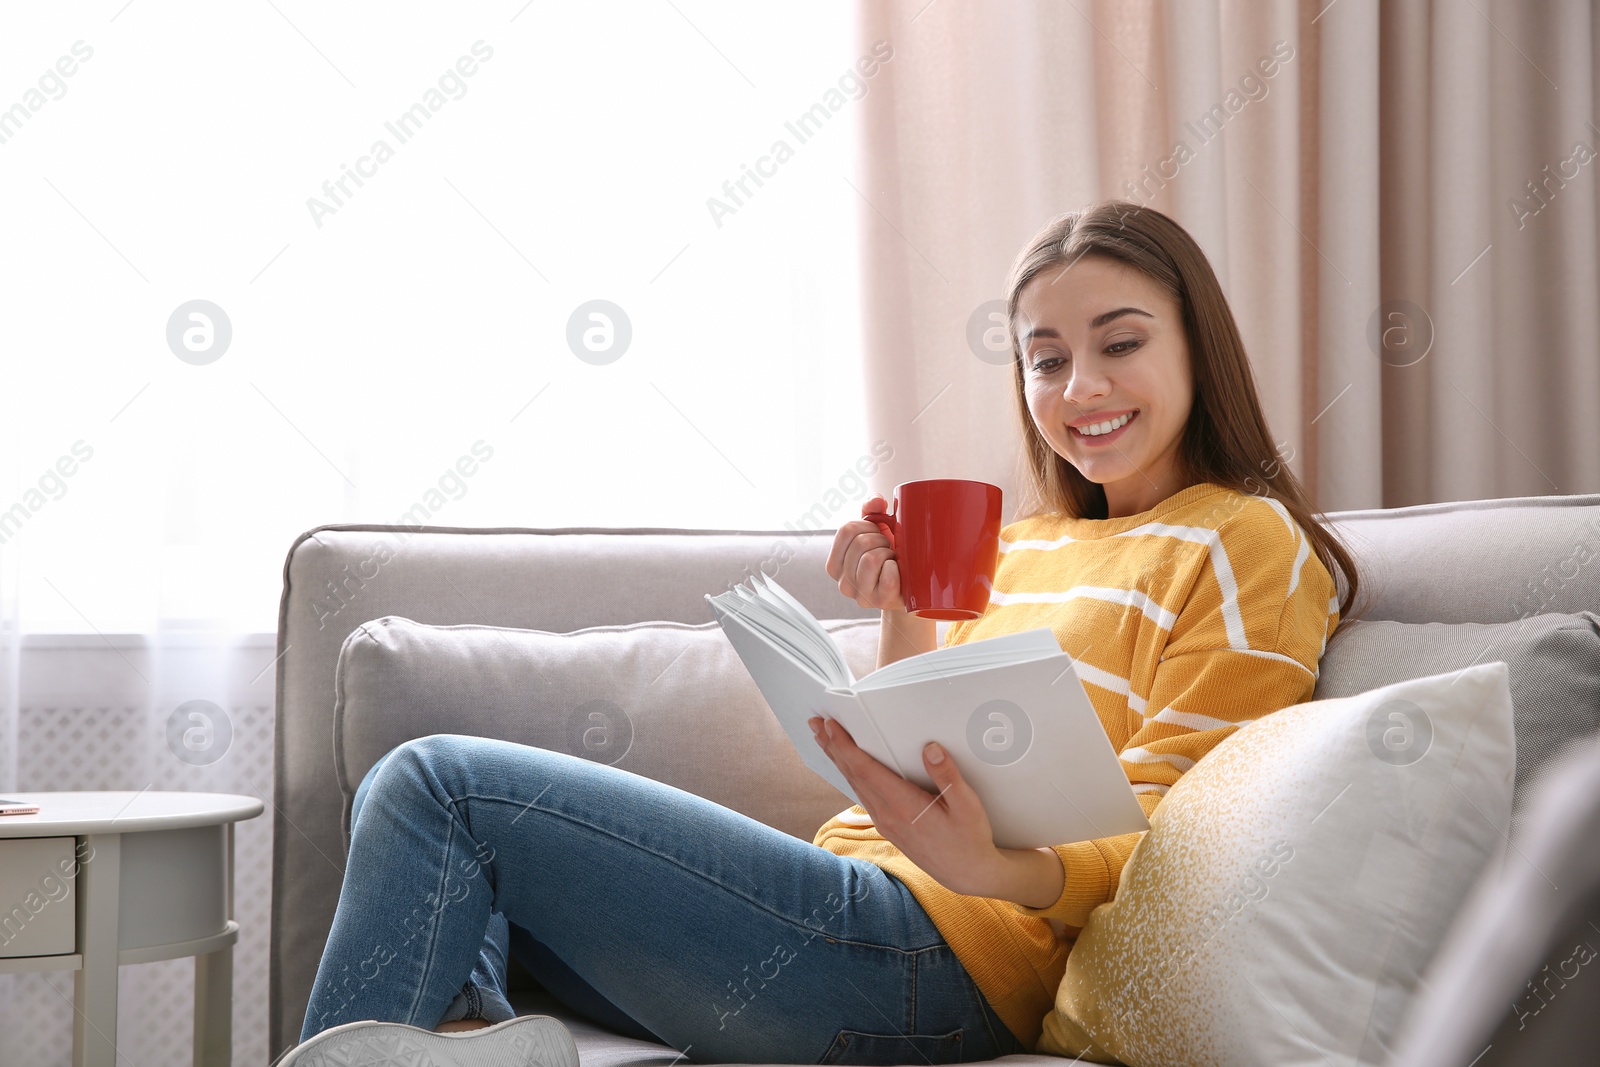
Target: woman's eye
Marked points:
1046	364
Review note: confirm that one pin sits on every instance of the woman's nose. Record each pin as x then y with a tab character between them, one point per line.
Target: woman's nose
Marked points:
1085	386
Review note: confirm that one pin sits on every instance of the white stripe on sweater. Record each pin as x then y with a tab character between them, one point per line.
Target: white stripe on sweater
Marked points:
1283	513
1114	682
1300	537
1042	546
1132	597
1144	755
1221	566
1232	621
1194	720
1298	534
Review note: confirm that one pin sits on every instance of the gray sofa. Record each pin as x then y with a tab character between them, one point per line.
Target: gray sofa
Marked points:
1480	562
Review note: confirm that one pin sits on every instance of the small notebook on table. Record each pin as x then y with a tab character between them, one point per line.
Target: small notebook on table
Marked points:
1011	710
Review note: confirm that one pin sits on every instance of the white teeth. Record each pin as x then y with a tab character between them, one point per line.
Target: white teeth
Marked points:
1098	428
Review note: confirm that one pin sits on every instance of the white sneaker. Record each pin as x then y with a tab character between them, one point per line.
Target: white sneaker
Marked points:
526	1041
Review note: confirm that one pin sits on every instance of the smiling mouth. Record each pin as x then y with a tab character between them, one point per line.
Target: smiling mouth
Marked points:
1105	432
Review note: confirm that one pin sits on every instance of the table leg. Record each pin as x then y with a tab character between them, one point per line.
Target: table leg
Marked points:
213	988
94	987
213	1008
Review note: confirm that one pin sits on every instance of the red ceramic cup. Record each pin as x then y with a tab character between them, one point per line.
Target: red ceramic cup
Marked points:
946	537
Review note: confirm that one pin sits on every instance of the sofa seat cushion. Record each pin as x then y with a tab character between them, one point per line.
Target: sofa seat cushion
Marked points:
598	1046
667	700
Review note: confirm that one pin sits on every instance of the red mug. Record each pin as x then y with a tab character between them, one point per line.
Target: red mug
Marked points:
946	537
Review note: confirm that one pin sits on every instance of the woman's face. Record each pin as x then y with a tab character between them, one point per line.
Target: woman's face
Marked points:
1102	342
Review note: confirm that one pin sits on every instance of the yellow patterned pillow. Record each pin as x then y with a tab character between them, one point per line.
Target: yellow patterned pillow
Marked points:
1295	882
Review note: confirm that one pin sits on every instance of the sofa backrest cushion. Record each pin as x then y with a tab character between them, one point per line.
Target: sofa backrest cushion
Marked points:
1553	661
667	700
1477	560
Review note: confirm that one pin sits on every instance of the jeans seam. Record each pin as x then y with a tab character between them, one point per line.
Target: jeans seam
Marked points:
978	1000
433	922
983	1013
916	970
759	905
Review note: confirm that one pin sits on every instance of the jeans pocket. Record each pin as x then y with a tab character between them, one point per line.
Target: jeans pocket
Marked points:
858	1047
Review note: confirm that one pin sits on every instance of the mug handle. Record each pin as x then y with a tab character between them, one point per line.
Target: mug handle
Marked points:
883	519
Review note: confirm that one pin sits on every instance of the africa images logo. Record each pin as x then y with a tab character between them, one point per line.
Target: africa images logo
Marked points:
999	732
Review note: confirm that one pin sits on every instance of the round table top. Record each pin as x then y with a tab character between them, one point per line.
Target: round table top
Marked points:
123	812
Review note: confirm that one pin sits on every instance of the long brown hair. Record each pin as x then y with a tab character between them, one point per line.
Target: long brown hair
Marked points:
1226	440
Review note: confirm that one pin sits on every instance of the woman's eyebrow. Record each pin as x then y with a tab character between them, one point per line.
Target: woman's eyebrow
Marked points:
1100	320
1094	323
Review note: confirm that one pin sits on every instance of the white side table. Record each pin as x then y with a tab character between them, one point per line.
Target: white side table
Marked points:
153	881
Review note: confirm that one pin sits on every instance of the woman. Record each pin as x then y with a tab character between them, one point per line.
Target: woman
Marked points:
1173	555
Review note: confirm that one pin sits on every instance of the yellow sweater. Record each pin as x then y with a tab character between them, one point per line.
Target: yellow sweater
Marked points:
1186	622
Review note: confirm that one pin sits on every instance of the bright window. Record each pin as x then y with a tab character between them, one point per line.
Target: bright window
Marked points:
413	325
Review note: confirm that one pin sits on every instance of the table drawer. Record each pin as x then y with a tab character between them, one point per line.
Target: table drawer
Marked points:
38	905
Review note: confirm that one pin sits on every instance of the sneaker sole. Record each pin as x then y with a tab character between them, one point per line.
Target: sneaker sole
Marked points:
525	1041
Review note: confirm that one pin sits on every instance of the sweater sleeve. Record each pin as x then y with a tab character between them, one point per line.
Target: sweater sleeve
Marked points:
1246	643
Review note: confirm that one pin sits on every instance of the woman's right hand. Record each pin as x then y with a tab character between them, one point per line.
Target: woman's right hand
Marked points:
863	562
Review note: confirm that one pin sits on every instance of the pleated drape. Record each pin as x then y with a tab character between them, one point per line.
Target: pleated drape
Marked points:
1399	200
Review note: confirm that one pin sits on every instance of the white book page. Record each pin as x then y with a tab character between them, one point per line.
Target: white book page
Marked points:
809	628
795	694
1026	739
969	656
786	624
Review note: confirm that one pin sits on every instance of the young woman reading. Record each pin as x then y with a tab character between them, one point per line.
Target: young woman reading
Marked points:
1174	556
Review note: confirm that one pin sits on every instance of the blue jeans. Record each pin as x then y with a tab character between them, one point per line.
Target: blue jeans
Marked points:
644	907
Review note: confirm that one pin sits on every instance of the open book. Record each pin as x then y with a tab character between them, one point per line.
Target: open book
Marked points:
1010	710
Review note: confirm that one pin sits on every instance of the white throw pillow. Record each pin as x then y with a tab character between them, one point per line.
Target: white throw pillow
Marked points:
1295	883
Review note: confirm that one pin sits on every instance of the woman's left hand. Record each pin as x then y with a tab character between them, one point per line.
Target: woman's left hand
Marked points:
946	834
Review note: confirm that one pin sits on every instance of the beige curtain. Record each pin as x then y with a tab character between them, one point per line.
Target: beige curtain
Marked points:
1402	214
